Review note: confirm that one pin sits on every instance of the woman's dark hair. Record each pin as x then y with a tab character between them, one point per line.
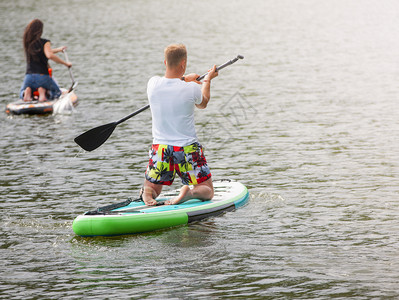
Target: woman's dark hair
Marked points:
33	33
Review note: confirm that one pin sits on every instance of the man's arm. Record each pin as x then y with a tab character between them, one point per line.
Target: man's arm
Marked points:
206	88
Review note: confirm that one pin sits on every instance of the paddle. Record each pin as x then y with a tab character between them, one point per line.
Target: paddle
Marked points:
74	84
95	137
64	103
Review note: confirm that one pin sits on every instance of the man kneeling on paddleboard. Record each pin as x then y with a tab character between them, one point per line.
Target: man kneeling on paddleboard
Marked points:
175	147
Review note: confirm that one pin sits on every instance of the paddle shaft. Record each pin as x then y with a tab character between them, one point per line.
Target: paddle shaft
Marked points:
138	208
73	85
230	62
69	68
132	114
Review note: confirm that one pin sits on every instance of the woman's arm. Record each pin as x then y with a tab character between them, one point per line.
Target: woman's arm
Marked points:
50	55
60	49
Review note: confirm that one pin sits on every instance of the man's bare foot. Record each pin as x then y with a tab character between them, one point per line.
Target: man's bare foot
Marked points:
171	201
150	202
182	195
147	195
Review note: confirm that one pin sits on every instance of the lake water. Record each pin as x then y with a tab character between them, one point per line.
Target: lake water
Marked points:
308	121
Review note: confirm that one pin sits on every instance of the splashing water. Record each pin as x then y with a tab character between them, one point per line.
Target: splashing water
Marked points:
63	105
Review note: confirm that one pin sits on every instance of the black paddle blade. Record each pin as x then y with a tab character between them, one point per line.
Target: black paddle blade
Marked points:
94	138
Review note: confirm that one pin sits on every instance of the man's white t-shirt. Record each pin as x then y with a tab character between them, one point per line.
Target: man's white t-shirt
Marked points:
172	103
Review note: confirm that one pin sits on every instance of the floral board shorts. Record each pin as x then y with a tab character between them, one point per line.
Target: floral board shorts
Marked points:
188	162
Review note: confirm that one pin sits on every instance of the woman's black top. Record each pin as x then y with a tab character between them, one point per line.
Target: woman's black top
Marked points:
38	64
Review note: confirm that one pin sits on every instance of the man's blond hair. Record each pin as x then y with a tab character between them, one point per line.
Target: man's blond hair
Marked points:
174	54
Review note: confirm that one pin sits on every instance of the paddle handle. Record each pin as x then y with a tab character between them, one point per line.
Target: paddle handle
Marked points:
230	62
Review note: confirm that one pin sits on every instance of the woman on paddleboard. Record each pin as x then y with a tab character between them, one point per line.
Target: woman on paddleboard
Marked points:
176	148
37	52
